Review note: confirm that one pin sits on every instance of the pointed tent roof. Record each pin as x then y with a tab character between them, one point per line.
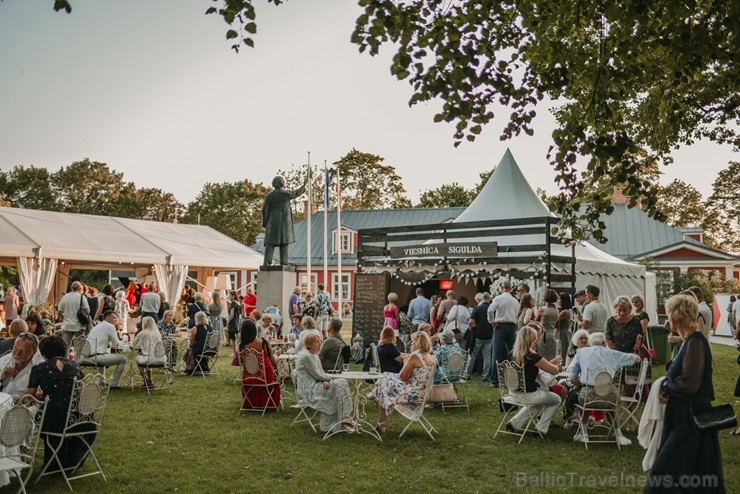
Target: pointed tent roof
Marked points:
506	195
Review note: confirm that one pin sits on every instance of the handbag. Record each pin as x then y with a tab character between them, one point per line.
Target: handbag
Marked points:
442	393
235	360
82	316
468	341
713	418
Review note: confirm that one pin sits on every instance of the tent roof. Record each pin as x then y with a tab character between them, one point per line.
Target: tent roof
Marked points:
506	195
107	239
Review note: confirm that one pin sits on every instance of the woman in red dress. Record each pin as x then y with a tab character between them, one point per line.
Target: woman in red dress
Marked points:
259	398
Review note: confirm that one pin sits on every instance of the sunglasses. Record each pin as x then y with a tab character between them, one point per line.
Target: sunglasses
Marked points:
29	336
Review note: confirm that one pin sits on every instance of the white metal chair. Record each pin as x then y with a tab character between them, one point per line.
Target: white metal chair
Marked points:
83	423
82	352
631	403
254	377
603	396
156	360
374	355
512	390
456	365
302	406
19	437
209	355
414	412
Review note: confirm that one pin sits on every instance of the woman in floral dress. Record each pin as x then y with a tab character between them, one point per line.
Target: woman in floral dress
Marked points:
411	384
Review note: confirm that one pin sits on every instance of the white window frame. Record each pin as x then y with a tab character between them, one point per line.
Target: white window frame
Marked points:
345	286
345	242
253	280
303	282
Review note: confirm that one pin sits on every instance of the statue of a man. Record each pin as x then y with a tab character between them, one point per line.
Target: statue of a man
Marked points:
278	220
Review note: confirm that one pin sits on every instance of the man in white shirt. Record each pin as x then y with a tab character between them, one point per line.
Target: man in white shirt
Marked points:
595	313
68	306
502	316
591	360
150	303
15	367
101	338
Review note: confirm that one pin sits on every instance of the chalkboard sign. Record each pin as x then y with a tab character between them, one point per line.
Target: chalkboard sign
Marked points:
371	291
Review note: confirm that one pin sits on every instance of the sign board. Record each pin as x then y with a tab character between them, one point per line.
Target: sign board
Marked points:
457	250
367	311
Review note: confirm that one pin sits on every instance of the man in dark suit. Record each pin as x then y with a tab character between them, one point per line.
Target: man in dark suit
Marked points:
278	220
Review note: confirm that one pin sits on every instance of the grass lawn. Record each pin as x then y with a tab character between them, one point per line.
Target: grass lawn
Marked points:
193	441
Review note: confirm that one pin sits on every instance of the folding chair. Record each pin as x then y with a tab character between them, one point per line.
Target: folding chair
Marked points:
254	377
603	396
455	375
209	355
414	412
634	376
19	437
157	360
83	423
512	386
238	378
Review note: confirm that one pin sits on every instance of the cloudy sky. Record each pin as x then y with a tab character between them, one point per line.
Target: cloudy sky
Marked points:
152	89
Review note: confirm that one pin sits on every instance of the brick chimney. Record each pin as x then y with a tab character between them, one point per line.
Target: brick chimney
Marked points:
620	198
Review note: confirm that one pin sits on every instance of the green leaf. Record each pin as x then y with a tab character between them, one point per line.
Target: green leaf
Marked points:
231	34
251	28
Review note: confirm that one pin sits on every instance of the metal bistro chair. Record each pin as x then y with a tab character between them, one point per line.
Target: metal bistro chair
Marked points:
82	352
631	403
342	358
603	396
512	391
302	406
414	412
254	377
456	365
209	355
19	437
157	360
84	421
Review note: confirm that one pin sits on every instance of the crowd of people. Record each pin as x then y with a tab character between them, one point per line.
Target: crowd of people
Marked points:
562	336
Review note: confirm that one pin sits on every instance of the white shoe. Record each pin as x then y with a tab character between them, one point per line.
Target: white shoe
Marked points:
580	438
623	441
169	378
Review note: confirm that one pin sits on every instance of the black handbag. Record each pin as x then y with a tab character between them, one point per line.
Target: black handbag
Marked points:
82	316
713	418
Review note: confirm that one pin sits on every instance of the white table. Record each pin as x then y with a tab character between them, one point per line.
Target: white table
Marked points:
6	403
285	366
359	416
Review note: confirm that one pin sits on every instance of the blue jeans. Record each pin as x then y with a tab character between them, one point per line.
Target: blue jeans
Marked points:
503	342
480	346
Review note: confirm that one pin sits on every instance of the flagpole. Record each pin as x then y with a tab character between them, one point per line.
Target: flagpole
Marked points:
326	227
309	288
339	245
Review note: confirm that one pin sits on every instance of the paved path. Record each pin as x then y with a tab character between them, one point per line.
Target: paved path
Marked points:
723	340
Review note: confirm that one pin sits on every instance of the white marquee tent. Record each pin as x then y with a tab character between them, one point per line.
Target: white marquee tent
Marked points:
45	245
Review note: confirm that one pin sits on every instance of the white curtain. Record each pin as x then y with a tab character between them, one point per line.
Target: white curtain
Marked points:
171	280
36	276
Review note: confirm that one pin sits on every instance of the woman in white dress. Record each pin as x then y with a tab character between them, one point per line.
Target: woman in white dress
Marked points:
322	391
146	342
122	310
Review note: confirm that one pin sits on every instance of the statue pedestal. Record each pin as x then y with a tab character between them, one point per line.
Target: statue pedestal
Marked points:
275	284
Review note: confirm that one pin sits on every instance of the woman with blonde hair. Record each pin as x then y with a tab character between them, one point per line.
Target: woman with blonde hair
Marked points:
623	329
639	306
146	342
537	400
16	327
388	354
684	452
322	392
390	311
122	310
308	324
408	386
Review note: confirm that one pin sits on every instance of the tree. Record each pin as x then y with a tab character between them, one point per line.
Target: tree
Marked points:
233	208
724	207
681	204
366	183
28	187
147	203
88	187
296	177
615	96
446	196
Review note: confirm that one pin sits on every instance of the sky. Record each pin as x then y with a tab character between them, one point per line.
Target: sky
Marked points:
153	89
